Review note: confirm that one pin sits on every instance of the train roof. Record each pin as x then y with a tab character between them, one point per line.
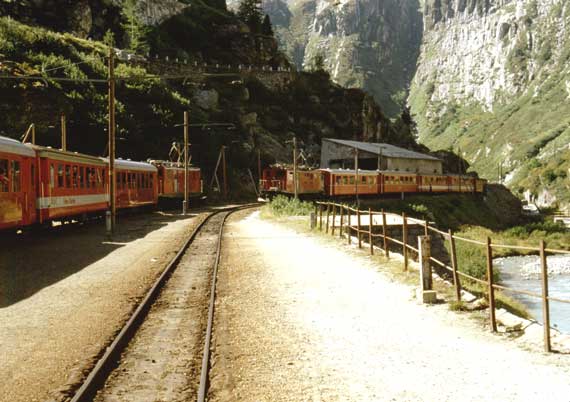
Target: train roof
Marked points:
66	156
12	146
171	165
386	150
133	165
350	171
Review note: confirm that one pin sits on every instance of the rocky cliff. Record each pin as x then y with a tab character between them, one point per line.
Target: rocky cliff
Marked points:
492	81
369	44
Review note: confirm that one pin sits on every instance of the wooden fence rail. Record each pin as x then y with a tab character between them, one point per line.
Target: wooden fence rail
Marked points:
350	221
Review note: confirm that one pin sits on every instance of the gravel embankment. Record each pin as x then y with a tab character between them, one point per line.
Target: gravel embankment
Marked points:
64	293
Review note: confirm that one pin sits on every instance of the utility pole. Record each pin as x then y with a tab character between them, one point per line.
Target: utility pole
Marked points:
186	129
112	183
296	189
357	177
224	172
259	167
63	132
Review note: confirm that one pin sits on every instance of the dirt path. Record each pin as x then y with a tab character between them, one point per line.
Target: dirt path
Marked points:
301	320
63	296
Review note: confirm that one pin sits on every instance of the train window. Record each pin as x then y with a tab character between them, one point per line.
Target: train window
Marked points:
60	176
338	179
16	177
4	176
364	179
351	179
87	177
344	180
67	176
75	181
82	177
51	176
99	178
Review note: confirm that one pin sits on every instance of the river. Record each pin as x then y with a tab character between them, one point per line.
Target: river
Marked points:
524	273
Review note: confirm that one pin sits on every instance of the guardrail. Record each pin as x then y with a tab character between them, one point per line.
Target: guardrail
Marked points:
346	214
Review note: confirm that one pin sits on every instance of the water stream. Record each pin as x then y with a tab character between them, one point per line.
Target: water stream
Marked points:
524	273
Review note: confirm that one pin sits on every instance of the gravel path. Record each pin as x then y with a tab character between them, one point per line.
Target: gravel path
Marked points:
299	319
63	296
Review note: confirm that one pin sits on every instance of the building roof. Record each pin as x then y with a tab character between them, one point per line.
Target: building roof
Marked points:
387	150
15	147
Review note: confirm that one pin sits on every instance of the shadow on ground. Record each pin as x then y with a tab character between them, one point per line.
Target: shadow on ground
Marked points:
38	259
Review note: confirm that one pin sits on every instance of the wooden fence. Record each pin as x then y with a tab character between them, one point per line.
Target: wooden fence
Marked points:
348	214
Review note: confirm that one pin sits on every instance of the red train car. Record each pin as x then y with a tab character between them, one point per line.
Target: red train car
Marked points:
171	180
340	182
70	184
137	184
281	180
433	183
18	183
399	182
273	179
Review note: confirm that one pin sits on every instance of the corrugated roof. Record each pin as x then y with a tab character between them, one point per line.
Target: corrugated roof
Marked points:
383	149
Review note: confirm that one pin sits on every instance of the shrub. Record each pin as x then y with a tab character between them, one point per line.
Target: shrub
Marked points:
285	206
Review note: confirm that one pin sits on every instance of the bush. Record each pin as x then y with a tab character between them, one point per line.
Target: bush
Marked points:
285	206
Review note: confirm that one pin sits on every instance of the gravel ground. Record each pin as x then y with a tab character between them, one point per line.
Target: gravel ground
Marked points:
64	293
299	319
163	360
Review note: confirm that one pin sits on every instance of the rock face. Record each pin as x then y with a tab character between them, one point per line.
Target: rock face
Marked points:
369	44
492	81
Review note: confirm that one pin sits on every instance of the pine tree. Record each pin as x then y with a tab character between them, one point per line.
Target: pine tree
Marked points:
319	63
249	11
266	27
134	28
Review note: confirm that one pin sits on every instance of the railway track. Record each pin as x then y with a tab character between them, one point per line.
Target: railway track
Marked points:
164	347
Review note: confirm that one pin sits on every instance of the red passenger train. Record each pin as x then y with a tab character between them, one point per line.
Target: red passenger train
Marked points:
342	182
41	184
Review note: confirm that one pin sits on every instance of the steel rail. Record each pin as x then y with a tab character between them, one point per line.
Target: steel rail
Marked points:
106	363
203	387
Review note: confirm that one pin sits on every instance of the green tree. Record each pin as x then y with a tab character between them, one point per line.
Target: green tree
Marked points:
319	63
136	31
249	11
266	27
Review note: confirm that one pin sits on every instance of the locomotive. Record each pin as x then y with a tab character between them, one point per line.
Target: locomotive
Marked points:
41	184
346	182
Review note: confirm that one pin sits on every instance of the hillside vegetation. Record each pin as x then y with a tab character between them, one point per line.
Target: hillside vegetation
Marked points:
267	108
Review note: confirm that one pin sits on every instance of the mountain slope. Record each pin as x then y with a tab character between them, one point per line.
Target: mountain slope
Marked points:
493	81
368	44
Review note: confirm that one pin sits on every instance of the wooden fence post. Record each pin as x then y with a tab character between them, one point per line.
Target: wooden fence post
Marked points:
349	224
456	282
340	230
545	301
405	240
321	217
358	226
425	292
370	224
328	214
491	288
426	226
384	234
333	219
